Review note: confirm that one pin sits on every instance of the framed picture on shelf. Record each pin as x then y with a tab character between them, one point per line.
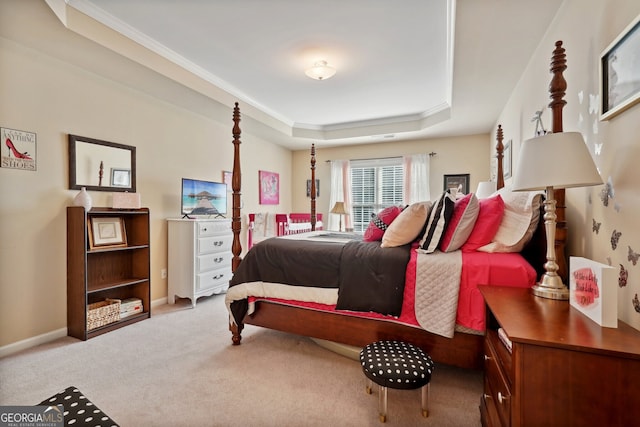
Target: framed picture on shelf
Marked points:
106	232
620	72
317	188
269	183
120	177
460	181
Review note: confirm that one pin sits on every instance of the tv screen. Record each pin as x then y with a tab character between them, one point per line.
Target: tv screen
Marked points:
203	197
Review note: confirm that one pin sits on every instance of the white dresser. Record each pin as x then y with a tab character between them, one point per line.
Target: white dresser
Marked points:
199	257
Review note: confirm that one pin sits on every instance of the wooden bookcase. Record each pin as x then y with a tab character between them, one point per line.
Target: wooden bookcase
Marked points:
94	275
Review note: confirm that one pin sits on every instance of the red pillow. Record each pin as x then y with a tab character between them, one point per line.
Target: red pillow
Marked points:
380	222
487	224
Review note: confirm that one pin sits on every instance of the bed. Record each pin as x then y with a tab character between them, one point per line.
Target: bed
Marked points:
328	320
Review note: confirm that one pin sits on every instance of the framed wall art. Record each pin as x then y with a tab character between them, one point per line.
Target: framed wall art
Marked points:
227	178
18	149
317	188
620	72
106	232
269	183
460	181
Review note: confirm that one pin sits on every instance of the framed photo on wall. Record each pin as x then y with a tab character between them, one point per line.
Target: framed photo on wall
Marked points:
269	183
460	181
317	188
120	177
620	72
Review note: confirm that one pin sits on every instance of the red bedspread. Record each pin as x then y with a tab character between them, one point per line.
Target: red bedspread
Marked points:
506	269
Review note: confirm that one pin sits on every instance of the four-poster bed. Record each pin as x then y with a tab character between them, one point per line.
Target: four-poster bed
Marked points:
463	349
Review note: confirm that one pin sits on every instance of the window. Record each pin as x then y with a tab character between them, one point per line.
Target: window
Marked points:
375	185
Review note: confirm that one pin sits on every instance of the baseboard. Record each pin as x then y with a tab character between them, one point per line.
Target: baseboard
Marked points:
50	336
32	342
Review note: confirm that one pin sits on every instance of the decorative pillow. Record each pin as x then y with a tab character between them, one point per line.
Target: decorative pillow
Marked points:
380	222
486	226
465	214
439	218
521	216
407	226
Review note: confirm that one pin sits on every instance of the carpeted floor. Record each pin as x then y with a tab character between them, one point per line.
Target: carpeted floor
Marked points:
179	369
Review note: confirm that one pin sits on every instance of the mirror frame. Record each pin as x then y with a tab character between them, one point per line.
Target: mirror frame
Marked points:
73	185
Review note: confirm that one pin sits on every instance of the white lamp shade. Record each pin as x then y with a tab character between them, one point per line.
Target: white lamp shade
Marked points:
485	189
558	160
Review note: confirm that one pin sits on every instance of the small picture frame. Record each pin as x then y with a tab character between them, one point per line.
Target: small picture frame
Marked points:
269	183
459	181
106	232
317	188
620	72
120	177
507	160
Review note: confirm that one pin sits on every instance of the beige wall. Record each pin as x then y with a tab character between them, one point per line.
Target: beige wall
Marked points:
53	98
586	28
456	155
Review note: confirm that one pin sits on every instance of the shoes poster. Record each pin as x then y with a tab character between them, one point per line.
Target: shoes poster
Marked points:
593	290
18	150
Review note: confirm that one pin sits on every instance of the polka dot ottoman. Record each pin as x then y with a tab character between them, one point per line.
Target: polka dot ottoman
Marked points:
78	410
398	365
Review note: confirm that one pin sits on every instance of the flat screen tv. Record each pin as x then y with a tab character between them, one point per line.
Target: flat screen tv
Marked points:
201	198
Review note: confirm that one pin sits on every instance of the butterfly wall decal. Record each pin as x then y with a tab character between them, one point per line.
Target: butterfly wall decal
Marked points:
596	226
607	192
633	256
623	276
636	303
615	238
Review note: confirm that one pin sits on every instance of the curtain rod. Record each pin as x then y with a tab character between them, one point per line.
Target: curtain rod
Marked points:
431	154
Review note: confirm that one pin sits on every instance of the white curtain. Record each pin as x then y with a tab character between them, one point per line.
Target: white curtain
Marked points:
416	178
340	192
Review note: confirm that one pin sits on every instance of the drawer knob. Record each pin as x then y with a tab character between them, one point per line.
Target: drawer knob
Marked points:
501	398
218	260
218	276
487	396
486	358
218	243
204	229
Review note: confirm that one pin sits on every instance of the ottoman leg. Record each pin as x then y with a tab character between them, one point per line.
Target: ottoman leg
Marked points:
369	386
382	404
425	400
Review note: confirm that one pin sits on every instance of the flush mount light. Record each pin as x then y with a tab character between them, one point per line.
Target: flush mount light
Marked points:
320	71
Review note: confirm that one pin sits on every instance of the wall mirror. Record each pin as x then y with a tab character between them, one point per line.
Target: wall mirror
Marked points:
101	165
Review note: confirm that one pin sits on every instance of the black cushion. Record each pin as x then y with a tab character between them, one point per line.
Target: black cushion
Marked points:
396	364
78	410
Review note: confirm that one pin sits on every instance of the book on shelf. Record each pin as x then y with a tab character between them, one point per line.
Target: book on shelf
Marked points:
130	306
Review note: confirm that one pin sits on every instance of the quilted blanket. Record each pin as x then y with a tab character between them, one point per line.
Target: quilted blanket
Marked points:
437	288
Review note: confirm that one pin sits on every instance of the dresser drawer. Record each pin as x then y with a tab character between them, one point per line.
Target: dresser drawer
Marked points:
212	228
497	388
213	261
208	245
214	278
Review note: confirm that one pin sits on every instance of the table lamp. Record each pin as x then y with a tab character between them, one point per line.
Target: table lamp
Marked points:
554	160
338	208
485	189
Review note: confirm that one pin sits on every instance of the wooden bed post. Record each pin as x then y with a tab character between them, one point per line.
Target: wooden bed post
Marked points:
557	91
236	221
500	155
313	187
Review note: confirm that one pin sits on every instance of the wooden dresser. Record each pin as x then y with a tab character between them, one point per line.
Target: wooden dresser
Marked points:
563	370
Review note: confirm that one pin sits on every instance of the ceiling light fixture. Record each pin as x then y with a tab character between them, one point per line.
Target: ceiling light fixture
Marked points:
320	71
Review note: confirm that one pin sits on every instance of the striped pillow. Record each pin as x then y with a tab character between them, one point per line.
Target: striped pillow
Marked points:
439	218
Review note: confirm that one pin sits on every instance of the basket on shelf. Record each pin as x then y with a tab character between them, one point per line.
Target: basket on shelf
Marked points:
102	313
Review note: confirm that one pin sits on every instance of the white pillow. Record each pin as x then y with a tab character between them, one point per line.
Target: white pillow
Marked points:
407	226
521	216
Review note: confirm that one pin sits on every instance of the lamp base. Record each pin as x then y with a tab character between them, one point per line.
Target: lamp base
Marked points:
551	293
551	286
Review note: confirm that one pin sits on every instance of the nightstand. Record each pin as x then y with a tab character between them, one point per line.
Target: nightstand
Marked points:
563	368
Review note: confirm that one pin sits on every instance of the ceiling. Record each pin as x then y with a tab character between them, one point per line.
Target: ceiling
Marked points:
406	69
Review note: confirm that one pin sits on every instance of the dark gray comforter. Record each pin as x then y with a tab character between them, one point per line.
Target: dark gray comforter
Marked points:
368	277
